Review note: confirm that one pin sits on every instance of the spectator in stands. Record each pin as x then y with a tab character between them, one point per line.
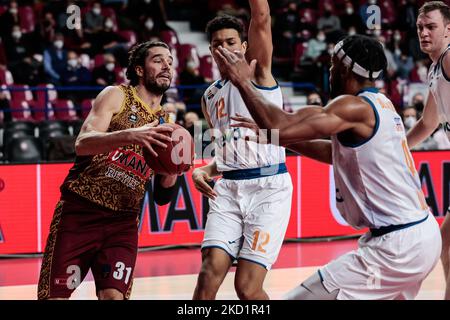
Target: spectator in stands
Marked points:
170	108
352	19
391	64
181	111
314	99
418	102
409	120
191	76
105	75
190	118
9	19
330	23
48	28
286	28
316	46
94	22
23	61
110	41
5	107
405	64
55	60
75	74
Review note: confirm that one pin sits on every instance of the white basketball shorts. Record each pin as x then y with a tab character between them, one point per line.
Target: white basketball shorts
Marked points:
249	217
388	267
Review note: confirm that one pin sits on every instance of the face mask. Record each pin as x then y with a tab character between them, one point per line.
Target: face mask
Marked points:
72	62
13	10
377	32
109	24
397	37
97	11
349	11
372	1
16	34
321	37
351	32
59	44
419	106
147	1
149	24
110	66
410	121
172	117
191	65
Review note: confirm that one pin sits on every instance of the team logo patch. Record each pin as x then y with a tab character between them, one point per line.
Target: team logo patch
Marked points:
133	118
398	124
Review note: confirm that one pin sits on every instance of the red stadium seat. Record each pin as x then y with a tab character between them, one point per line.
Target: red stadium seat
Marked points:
186	51
129	35
26	19
206	67
170	38
39	111
99	60
86	106
6	77
20	110
3	9
24	94
64	110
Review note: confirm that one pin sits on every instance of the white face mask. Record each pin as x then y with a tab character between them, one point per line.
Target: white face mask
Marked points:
109	24
59	44
97	11
321	37
351	32
149	24
397	37
16	34
349	11
377	32
110	66
410	121
372	1
13	10
72	62
147	1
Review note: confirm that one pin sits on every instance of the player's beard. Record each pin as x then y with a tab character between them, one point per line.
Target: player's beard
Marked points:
152	85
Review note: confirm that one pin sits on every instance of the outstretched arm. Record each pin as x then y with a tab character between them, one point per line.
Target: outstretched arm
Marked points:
260	45
346	112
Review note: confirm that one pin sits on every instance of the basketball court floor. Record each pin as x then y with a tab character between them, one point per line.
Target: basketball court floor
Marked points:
172	274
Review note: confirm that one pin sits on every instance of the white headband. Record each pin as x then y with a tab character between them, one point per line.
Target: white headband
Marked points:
347	61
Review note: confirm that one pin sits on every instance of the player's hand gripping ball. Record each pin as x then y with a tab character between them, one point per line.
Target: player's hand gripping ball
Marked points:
178	157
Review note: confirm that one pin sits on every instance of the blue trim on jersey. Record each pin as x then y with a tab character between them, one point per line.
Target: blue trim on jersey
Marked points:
219	247
266	88
368	89
383	230
377	125
249	260
217	84
245	174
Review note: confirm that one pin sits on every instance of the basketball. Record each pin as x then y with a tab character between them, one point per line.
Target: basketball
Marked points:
177	157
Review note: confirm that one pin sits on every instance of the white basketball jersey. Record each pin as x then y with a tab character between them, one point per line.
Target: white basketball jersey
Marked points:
439	84
232	151
376	181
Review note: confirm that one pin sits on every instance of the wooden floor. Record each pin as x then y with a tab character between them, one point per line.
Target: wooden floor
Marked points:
166	282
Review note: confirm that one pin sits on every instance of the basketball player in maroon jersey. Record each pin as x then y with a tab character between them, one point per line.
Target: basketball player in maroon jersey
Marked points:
95	224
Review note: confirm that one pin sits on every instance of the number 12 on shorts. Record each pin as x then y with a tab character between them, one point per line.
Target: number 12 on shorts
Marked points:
260	240
119	273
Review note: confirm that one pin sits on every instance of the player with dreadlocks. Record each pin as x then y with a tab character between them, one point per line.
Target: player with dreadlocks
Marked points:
95	222
377	185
